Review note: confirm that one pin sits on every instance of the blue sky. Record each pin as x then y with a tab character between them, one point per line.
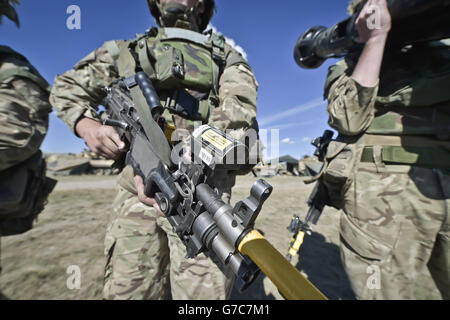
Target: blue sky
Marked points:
289	98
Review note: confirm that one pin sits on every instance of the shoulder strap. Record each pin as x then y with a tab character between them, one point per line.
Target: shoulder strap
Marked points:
126	65
141	48
218	48
124	59
113	49
219	57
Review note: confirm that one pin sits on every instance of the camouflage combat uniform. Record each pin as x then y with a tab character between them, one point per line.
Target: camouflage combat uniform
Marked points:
145	259
389	171
24	109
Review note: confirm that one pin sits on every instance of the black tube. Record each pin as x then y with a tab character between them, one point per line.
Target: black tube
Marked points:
149	93
413	21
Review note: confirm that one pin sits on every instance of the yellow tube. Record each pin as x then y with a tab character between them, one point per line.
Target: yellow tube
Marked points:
291	283
296	243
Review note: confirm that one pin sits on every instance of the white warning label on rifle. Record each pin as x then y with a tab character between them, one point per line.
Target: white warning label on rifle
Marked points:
206	156
218	141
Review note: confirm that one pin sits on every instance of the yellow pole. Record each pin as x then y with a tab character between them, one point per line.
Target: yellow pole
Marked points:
295	243
291	283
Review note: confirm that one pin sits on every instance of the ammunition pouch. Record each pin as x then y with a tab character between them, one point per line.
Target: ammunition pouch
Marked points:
23	194
341	161
182	59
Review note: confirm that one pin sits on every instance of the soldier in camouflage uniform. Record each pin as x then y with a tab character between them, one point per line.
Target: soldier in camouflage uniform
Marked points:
145	258
24	109
389	170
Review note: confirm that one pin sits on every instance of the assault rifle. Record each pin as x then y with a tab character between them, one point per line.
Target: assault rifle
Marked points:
184	192
317	200
413	21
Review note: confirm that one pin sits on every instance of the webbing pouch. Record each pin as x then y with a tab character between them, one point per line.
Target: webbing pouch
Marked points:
339	173
183	65
23	194
170	67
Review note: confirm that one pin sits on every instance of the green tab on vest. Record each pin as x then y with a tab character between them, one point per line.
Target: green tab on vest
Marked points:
432	157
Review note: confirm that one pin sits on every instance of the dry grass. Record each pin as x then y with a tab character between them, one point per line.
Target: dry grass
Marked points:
71	231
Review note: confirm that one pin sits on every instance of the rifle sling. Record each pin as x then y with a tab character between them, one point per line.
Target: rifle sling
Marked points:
127	68
154	133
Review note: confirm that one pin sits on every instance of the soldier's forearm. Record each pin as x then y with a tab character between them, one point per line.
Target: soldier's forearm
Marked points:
367	70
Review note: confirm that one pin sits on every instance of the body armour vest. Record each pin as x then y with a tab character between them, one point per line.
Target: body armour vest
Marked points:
184	67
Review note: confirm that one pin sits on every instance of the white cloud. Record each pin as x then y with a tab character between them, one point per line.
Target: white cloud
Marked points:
230	41
290	112
287	141
306	139
290	125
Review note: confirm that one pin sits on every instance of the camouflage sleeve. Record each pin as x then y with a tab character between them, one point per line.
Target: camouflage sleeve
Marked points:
351	106
24	109
78	92
237	94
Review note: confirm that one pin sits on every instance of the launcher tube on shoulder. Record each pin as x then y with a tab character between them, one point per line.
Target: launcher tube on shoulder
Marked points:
412	21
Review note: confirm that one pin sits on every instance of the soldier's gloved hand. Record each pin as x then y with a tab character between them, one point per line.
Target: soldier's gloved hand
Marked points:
151	202
102	140
374	21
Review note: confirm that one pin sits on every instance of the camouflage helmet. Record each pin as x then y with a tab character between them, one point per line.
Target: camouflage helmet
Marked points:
203	19
7	9
355	5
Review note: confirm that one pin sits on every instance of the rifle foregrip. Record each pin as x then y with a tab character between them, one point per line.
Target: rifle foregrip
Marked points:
149	93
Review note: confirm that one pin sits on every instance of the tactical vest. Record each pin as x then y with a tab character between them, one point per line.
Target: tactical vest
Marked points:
412	108
184	67
413	97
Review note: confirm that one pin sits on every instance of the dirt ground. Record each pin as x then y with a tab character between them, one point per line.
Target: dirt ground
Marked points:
71	230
